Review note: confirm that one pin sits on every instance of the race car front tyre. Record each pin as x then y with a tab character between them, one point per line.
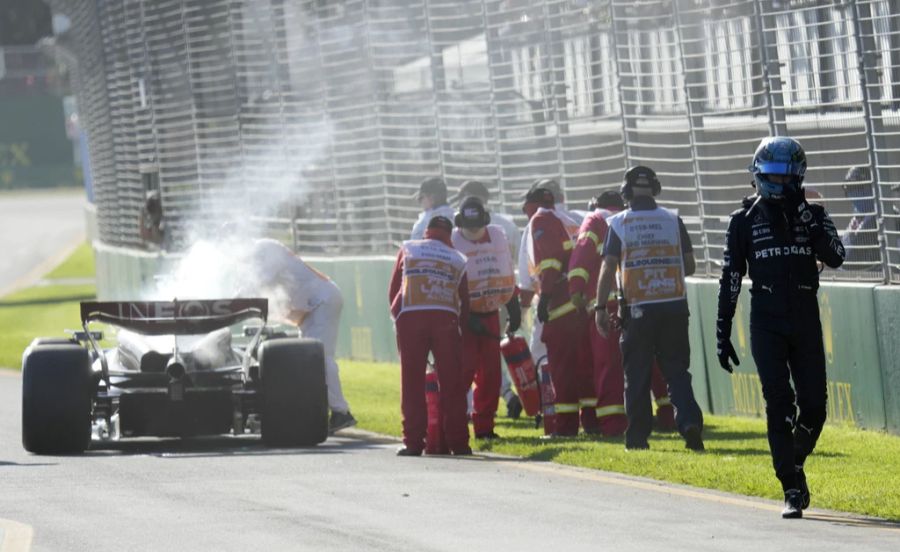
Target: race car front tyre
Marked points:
294	408
57	393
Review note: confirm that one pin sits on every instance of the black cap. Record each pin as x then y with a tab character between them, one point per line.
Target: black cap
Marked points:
472	188
541	196
472	213
610	199
641	176
432	186
546	184
441	223
859	173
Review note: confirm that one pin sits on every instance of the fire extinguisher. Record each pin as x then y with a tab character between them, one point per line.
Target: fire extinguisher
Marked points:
548	399
434	436
521	369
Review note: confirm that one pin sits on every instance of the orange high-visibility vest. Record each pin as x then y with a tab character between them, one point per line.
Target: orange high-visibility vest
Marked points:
652	265
431	275
492	280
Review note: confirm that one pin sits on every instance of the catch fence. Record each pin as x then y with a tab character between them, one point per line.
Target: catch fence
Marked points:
320	118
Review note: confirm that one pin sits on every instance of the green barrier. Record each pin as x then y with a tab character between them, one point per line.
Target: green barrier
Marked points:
698	339
860	326
887	317
367	331
851	348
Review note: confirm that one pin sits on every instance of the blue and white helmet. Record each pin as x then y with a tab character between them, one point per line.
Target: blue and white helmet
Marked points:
779	155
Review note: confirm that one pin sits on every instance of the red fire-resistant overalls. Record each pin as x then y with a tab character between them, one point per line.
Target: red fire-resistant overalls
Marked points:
491	278
429	296
564	331
609	377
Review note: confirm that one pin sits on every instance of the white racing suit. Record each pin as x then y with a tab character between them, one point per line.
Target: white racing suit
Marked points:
296	287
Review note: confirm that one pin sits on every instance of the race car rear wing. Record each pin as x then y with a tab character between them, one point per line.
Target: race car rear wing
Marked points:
174	317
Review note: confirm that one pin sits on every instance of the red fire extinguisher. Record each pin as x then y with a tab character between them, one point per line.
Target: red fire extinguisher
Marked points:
521	370
548	400
434	437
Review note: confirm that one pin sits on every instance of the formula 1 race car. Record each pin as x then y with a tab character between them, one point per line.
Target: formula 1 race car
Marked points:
174	372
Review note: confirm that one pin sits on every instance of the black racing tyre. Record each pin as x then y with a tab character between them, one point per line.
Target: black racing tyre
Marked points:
57	394
294	408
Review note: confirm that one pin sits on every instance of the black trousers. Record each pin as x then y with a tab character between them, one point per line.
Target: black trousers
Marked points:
789	348
658	331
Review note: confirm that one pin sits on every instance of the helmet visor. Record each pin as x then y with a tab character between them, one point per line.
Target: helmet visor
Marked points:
779	167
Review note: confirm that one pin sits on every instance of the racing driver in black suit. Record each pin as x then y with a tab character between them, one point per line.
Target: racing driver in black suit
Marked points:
779	236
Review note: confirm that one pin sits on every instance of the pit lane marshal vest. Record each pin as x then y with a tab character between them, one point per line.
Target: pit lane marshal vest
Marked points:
489	268
431	275
652	266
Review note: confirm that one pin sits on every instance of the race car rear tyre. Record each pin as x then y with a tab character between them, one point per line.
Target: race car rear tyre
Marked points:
294	408
57	393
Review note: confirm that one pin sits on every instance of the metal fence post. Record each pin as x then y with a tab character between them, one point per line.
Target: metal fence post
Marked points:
491	56
869	81
623	103
438	83
553	40
695	120
772	86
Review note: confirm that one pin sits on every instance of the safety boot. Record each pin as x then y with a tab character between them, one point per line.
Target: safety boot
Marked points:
693	438
793	504
804	488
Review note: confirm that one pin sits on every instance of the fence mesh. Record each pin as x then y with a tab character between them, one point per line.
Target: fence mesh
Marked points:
321	118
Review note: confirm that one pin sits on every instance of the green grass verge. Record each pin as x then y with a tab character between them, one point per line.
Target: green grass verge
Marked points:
852	470
80	264
38	312
45	311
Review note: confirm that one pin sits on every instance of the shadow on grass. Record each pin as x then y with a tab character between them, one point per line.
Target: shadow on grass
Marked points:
46	301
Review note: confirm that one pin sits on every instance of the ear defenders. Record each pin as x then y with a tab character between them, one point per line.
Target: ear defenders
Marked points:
472	214
640	176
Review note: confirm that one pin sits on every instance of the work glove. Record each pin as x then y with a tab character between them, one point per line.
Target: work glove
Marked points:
514	314
795	201
724	349
543	309
476	326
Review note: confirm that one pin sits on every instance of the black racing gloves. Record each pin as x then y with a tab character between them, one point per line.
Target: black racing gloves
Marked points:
543	309
795	201
514	315
724	349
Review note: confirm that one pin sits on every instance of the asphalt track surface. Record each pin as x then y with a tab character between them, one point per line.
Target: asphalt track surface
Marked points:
353	493
36	230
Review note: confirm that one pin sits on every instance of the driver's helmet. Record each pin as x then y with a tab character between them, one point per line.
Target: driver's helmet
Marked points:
778	155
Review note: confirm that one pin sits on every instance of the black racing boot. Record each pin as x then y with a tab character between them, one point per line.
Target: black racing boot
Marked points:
405	451
693	438
514	407
804	488
793	504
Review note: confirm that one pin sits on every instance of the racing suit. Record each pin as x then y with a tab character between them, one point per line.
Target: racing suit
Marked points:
314	304
650	243
492	283
565	326
429	296
608	376
785	332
